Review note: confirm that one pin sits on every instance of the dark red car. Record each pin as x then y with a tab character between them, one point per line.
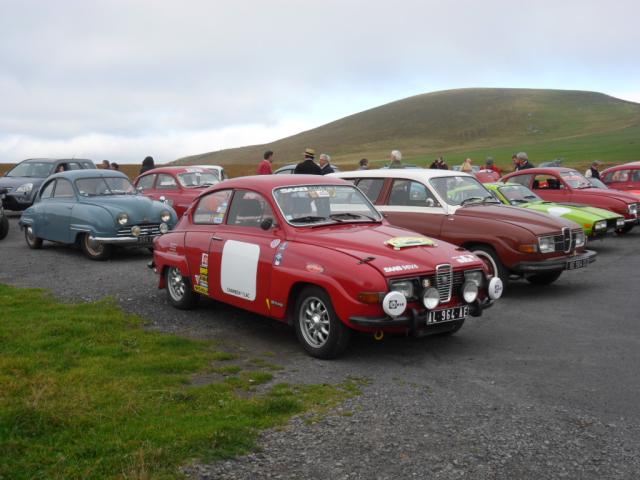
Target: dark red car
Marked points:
566	185
177	186
623	177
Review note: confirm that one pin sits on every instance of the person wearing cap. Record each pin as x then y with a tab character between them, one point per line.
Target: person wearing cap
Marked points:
396	159
523	161
264	167
363	164
489	164
308	166
325	164
593	171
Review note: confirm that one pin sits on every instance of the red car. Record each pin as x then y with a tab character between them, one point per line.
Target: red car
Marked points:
487	176
623	177
566	185
315	253
178	186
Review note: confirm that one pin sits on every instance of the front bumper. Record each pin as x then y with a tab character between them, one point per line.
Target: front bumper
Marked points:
17	202
552	265
416	321
145	241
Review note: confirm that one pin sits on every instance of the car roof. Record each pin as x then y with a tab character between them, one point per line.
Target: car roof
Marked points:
529	171
55	160
622	167
409	173
88	173
181	169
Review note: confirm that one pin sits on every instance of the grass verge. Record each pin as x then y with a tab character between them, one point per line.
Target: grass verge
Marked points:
86	393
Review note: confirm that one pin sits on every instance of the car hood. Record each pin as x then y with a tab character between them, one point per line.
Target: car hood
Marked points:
367	243
609	193
583	211
139	208
14	182
537	223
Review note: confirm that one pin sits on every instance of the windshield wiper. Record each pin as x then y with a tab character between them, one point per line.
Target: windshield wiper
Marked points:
490	197
338	216
308	219
470	200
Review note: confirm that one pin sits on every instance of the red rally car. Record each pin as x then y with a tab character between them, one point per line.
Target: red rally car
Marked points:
314	252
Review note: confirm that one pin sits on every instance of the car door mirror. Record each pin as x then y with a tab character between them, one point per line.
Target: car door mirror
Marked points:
139	190
266	224
430	202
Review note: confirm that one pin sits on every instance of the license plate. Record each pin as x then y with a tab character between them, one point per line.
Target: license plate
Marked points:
447	315
146	240
574	264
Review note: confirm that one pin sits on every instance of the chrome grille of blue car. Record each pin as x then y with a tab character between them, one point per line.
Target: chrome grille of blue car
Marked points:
148	229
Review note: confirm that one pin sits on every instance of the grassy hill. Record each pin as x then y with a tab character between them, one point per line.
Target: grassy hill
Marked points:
579	126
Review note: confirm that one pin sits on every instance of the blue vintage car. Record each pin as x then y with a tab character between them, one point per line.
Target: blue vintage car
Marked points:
96	209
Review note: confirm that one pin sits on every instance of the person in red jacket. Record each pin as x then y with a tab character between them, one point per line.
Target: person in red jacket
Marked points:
489	164
264	167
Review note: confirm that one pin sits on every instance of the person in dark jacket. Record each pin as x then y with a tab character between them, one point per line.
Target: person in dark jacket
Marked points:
325	164
439	164
593	171
147	164
523	162
308	166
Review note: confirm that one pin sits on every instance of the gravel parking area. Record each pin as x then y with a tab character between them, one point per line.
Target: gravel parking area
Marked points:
544	385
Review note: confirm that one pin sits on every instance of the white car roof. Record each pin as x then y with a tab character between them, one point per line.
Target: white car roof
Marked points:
214	167
420	174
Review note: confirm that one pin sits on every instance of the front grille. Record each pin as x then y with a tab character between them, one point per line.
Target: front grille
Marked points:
444	281
565	241
148	229
612	224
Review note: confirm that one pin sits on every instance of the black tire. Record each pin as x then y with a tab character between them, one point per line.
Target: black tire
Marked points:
4	226
318	328
95	251
489	256
626	229
544	278
32	241
179	290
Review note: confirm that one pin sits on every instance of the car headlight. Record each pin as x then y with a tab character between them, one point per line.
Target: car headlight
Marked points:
580	239
25	188
430	298
619	222
633	209
546	244
475	276
600	225
469	291
405	287
164	228
165	216
123	218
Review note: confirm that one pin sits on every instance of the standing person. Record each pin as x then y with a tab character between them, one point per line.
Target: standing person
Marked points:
363	164
264	167
466	166
308	166
325	164
593	171
396	159
147	164
489	164
105	165
523	161
115	166
514	161
439	164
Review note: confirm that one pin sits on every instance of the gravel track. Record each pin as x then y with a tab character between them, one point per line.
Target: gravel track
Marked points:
544	385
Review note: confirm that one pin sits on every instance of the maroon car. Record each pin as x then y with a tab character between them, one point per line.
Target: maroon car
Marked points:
623	177
178	186
566	185
457	208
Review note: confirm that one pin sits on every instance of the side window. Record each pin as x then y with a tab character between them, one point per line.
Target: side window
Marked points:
74	166
635	176
48	190
620	176
211	208
146	182
64	189
224	175
166	182
546	182
411	194
371	187
249	209
521	179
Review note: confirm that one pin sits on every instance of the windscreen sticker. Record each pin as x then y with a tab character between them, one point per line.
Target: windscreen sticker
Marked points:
400	268
403	242
294	189
217	219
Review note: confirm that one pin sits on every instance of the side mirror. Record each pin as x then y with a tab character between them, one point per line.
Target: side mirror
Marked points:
163	199
430	202
139	190
266	224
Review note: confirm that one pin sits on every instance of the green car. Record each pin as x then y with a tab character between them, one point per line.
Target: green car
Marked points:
596	222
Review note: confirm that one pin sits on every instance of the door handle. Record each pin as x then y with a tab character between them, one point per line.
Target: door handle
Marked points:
219	239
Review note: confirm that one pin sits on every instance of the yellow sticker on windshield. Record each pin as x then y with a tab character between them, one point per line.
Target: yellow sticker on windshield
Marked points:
403	242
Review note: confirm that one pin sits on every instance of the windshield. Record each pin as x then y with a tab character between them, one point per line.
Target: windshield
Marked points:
31	169
518	194
462	190
313	204
91	187
575	179
198	178
597	183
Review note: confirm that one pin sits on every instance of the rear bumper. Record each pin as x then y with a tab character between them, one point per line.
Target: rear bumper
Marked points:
553	265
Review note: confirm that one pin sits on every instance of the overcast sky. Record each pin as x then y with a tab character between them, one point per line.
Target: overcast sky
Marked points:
125	79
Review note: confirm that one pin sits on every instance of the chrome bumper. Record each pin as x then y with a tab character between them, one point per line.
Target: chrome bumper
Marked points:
147	240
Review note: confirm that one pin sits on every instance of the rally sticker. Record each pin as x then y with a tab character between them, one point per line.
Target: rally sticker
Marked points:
465	258
403	242
294	189
275	243
558	211
400	268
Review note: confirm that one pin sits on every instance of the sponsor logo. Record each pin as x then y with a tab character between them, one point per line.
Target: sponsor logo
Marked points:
465	258
275	243
400	268
314	268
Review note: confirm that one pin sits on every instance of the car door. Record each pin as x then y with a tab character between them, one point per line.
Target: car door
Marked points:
59	208
551	188
411	204
242	252
40	220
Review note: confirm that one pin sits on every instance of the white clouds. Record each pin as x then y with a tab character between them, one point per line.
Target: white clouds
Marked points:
113	75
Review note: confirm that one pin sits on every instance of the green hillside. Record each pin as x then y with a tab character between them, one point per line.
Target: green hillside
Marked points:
579	126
